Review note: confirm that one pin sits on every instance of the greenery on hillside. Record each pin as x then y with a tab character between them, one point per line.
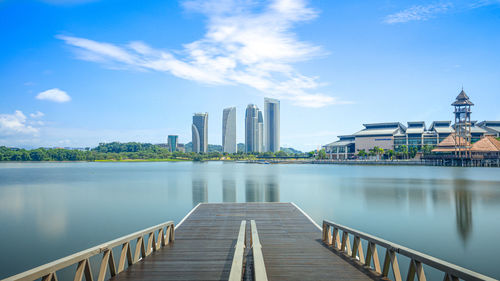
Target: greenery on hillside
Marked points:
131	151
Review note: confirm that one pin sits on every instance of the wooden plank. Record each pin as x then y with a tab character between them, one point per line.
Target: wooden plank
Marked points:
205	246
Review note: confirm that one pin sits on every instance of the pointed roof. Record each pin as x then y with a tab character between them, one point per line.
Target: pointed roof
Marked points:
486	144
462	99
448	144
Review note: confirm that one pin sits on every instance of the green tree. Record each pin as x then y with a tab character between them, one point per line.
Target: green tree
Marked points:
402	151
282	153
322	154
389	153
362	153
427	149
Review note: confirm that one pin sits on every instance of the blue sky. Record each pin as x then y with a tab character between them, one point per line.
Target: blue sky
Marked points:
79	72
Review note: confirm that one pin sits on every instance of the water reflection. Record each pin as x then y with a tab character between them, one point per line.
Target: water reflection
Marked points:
463	208
272	189
200	191
403	193
262	189
229	190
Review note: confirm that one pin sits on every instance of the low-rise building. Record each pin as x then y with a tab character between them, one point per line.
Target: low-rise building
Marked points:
393	135
378	134
492	127
344	148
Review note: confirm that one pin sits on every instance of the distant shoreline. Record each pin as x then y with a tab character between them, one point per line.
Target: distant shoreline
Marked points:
265	161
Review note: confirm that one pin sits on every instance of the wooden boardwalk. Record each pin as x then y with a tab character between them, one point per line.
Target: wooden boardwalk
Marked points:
205	240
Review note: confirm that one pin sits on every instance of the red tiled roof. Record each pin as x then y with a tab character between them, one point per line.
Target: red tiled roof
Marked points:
448	144
486	144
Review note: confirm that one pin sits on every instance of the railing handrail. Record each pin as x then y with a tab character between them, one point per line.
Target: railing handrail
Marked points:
54	266
236	272
436	263
258	259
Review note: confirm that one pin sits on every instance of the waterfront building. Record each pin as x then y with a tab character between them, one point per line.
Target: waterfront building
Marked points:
394	135
492	127
463	138
254	129
172	143
477	132
272	124
229	130
448	145
200	132
442	129
487	148
344	148
378	134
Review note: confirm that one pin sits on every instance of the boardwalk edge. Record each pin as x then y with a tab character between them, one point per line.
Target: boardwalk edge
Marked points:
186	216
307	216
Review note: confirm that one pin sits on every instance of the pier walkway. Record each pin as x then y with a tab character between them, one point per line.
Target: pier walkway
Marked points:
205	241
213	242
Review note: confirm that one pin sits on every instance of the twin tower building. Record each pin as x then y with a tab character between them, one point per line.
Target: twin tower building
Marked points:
262	131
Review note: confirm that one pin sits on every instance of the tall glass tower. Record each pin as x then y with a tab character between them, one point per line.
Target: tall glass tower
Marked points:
272	124
229	130
254	127
200	132
172	143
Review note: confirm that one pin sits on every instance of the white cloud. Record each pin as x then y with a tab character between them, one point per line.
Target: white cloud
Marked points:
37	114
425	12
15	124
418	13
54	95
245	44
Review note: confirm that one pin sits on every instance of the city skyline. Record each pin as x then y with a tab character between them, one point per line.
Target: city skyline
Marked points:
69	80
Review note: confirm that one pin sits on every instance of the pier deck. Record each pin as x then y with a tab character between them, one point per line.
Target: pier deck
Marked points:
205	240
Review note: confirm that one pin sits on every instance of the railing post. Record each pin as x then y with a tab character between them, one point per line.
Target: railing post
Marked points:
416	268
336	238
391	259
50	277
139	248
124	255
104	265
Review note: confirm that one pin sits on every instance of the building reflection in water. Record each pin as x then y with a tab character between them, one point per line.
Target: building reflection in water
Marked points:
463	208
262	189
228	190
200	191
272	189
413	195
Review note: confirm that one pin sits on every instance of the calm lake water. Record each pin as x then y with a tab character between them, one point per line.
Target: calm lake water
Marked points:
50	210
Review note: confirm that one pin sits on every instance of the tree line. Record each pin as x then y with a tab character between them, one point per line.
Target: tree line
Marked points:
116	151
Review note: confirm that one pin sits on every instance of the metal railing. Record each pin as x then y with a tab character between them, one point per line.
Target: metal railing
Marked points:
331	236
258	259
237	269
48	272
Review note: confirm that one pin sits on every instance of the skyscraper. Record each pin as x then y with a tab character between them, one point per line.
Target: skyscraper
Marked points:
200	132
172	143
229	130
272	124
254	128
